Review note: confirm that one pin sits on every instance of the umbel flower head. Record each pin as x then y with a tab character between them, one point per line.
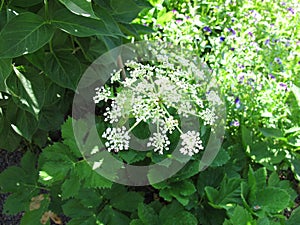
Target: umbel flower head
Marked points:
149	93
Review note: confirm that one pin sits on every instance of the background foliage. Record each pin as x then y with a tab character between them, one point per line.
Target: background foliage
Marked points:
252	48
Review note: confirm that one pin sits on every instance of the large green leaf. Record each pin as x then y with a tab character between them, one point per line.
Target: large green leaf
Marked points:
174	214
23	34
21	121
63	68
128	201
77	25
147	214
25	3
80	7
271	199
228	194
126	11
271	132
241	216
5	70
9	139
28	91
295	217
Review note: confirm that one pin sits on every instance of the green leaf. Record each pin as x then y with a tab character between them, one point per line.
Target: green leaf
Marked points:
74	209
166	17
109	216
22	122
221	158
246	137
147	215
108	20
272	199
63	68
241	216
296	91
77	25
295	217
51	157
9	139
136	222
189	170
83	221
34	216
181	191
70	187
25	3
271	132
15	203
174	214
141	131
28	91
127	202
5	70
126	11
228	194
79	7
23	34
69	138
90	177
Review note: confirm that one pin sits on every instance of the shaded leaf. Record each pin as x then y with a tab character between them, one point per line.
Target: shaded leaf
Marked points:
79	7
63	68
77	25
23	34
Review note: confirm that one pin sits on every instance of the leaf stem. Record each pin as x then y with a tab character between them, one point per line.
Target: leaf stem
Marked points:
46	9
2	3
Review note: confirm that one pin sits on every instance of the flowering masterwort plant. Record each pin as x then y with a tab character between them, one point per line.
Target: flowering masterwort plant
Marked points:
151	93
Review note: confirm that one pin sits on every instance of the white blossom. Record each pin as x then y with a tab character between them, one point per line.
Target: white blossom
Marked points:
149	94
191	143
159	141
101	94
117	139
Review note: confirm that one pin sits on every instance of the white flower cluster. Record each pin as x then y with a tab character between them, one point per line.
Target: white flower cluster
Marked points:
148	94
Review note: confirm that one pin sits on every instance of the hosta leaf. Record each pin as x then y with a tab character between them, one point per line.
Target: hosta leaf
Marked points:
23	34
77	25
28	91
5	70
79	7
64	69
